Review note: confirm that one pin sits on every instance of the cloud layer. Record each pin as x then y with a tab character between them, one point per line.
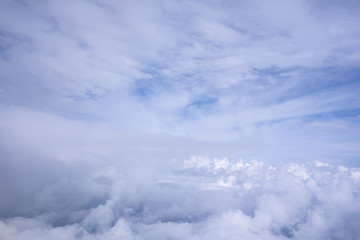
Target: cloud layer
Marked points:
115	116
207	70
198	198
199	65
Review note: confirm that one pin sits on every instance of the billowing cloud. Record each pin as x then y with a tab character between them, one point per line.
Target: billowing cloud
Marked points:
116	115
198	198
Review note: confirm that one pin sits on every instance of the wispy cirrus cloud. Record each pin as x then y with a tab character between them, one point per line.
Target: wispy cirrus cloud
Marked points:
114	116
210	71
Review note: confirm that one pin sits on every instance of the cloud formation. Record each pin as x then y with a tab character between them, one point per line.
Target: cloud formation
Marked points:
208	70
199	198
115	116
186	61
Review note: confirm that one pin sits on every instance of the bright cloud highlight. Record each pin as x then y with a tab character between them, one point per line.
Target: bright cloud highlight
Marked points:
201	198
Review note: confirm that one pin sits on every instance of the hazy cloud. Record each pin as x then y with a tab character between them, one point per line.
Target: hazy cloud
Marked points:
203	198
116	115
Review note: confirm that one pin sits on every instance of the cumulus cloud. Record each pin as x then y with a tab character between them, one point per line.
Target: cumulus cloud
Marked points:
198	198
82	181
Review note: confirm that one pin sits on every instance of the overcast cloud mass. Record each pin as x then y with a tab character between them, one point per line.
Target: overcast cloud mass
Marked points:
179	119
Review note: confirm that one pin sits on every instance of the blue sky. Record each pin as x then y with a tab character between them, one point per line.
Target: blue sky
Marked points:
283	75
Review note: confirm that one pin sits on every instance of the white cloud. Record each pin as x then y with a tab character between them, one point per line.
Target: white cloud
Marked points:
115	116
315	201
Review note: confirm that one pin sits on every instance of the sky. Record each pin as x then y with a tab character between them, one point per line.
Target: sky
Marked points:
179	119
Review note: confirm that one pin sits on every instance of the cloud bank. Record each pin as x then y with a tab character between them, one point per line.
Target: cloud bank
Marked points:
198	198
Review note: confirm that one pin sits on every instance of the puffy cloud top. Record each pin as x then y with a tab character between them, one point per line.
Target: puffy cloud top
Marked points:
200	198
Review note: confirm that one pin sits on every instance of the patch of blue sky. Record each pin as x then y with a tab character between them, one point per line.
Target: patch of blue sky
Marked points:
274	71
52	25
156	81
348	115
312	78
142	87
203	102
84	45
7	42
303	82
88	95
83	117
200	105
145	88
104	6
321	80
